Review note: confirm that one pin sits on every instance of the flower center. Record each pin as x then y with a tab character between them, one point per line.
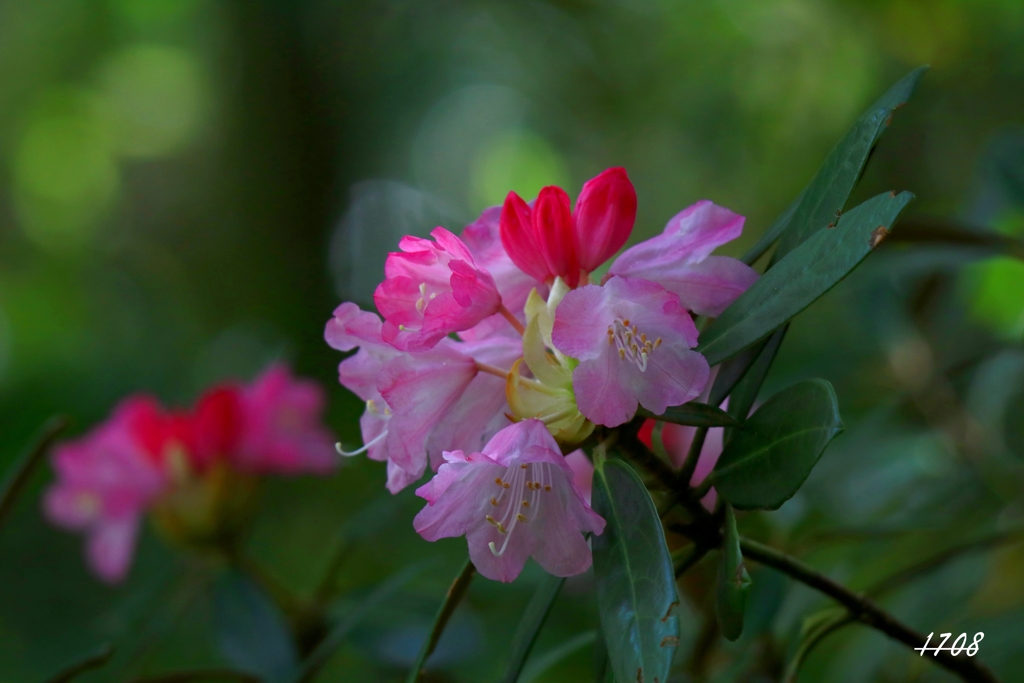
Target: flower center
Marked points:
425	298
512	501
631	343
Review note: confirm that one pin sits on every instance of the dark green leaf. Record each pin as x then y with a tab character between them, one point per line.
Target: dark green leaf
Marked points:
636	590
742	398
767	460
694	414
828	192
251	632
91	661
805	274
733	581
530	623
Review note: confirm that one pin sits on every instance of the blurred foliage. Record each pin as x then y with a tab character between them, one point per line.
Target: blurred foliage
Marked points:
187	189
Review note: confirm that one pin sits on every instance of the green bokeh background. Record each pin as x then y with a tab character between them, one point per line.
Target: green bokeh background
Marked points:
189	187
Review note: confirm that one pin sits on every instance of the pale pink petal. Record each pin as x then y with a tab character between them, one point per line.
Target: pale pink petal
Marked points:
633	340
110	546
706	287
689	237
582	473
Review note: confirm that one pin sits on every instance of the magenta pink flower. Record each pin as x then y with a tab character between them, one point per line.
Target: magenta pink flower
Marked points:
550	240
483	238
140	458
107	479
514	500
679	259
633	341
281	430
407	395
431	289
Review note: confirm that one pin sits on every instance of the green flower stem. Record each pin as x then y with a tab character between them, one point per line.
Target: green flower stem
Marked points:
22	470
863	609
444	613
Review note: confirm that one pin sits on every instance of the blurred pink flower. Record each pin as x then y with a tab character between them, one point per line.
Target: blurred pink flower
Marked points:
679	259
137	460
431	289
633	341
550	240
514	500
107	479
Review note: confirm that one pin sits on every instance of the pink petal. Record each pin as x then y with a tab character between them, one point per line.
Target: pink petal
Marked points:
110	547
519	239
605	214
689	237
707	287
553	229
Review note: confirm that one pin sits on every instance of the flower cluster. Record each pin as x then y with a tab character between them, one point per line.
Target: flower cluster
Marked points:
193	470
502	344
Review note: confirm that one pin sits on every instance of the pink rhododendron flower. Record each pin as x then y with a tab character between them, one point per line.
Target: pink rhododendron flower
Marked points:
679	259
108	479
431	289
483	238
633	341
514	500
144	457
411	395
550	240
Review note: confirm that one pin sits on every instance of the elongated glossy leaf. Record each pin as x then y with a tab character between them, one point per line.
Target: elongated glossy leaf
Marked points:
767	460
798	280
695	415
828	192
530	623
733	581
251	631
743	396
732	371
636	590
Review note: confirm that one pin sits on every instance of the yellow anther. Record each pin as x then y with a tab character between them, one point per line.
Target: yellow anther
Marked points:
494	501
521	518
504	484
622	354
491	520
523	466
526	503
497	480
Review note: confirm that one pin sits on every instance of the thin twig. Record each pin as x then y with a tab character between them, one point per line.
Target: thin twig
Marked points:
864	609
201	675
451	601
88	663
22	470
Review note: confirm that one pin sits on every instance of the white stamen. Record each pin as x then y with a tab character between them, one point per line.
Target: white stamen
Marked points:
365	448
631	344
